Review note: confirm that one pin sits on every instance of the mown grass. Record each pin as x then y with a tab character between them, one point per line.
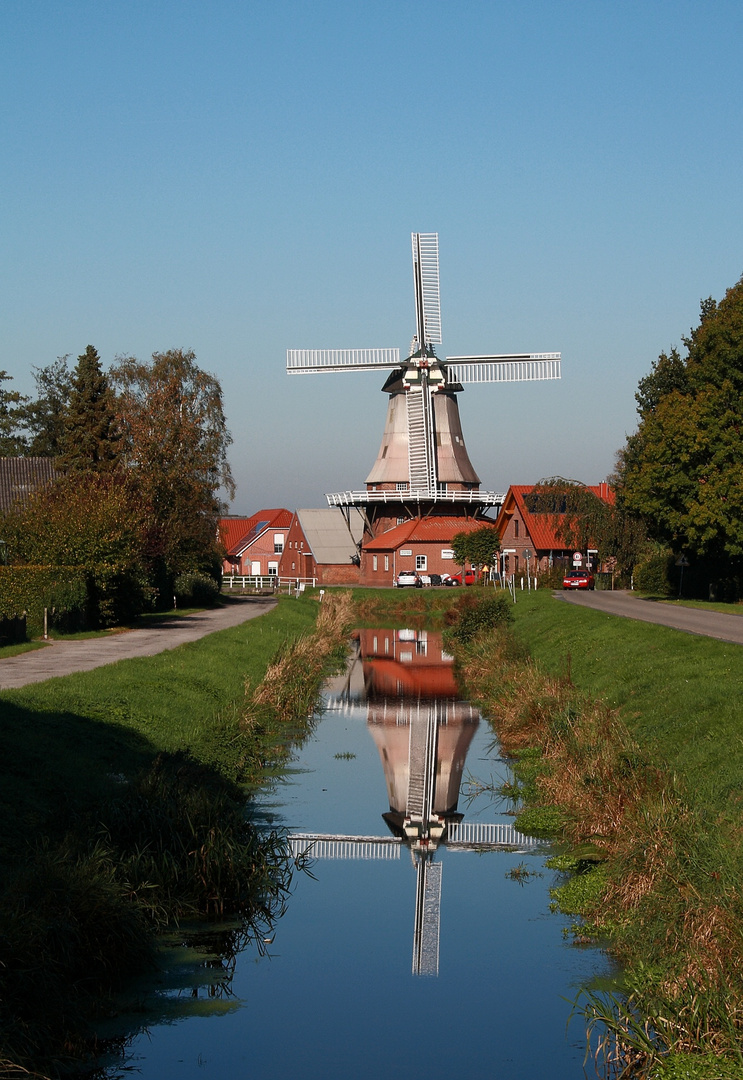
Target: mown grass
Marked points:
679	694
648	793
64	742
124	812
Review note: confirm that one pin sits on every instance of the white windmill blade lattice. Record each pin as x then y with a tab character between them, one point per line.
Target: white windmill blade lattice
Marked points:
426	277
509	367
314	361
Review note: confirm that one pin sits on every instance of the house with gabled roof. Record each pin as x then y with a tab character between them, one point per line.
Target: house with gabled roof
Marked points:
254	545
323	546
422	544
521	529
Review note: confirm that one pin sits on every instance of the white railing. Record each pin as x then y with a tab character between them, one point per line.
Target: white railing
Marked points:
344	847
472	833
268	581
355	498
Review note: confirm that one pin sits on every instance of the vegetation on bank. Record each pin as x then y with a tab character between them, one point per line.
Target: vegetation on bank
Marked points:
124	804
626	745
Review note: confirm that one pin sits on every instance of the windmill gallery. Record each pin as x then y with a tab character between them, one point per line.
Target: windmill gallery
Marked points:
422	488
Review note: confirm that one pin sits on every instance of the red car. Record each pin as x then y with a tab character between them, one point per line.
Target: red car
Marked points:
579	579
470	577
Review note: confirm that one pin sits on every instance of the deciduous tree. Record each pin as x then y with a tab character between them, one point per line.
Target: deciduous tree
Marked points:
682	470
12	412
175	443
45	416
477	547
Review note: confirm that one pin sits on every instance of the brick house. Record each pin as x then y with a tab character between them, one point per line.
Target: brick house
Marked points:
323	546
422	545
522	530
254	545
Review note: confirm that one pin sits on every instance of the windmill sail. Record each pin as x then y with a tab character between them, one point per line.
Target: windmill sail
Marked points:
426	283
313	361
508	367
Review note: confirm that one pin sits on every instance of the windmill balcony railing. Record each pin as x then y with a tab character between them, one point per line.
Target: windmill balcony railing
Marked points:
354	498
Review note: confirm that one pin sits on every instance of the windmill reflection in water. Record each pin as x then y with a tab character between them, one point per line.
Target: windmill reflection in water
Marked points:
423	731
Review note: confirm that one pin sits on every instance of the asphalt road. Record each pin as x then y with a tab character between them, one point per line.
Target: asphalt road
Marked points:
716	624
65	657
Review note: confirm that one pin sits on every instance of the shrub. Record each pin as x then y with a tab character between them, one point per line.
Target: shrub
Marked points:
475	613
196	588
655	574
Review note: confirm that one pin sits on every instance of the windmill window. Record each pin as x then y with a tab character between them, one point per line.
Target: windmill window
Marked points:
386	562
374	562
384	451
401	521
402	485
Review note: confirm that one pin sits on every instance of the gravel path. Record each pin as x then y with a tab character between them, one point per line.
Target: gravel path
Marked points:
65	657
716	624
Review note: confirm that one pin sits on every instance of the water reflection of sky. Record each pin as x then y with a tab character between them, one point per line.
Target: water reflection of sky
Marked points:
337	998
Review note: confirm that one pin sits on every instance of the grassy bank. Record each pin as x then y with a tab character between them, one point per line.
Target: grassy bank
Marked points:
125	812
627	745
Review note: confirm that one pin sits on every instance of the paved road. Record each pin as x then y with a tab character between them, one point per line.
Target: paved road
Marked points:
714	624
66	657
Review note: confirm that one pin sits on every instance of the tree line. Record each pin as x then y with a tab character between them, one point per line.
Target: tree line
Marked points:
141	457
678	480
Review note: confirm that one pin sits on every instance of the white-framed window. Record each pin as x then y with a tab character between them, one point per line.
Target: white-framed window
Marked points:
402	485
401	520
421	563
278	543
374	562
273	569
386	562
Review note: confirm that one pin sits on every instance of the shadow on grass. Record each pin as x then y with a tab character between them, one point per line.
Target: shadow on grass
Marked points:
55	766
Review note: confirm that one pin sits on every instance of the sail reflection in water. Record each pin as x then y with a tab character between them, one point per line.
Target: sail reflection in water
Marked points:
422	730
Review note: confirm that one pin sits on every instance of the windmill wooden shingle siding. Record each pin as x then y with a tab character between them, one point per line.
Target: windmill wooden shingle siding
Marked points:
423	466
20	476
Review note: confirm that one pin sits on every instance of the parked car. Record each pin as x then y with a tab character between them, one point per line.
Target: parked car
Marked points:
468	578
408	578
579	579
447	579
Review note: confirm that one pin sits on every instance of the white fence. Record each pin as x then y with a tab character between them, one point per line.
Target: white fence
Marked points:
269	581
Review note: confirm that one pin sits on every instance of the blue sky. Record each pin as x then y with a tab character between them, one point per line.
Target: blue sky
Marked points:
240	178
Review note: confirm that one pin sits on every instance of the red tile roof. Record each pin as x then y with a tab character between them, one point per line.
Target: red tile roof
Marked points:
542	528
237	533
436	530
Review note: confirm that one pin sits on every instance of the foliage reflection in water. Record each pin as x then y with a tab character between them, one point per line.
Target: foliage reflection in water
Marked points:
334	997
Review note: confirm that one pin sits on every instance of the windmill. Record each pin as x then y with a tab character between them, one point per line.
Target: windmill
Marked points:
423	458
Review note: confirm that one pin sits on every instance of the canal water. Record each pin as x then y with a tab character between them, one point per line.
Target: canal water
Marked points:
421	945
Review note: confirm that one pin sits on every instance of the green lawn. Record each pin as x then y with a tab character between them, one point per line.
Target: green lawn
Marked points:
680	694
63	742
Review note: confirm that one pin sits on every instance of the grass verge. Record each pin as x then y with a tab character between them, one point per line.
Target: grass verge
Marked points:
627	746
125	813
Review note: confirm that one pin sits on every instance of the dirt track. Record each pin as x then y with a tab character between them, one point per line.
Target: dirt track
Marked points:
65	657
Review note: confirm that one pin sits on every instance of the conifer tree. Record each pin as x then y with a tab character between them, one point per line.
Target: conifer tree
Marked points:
90	440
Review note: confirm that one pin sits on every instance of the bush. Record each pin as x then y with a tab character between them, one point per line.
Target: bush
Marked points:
474	613
655	574
196	588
